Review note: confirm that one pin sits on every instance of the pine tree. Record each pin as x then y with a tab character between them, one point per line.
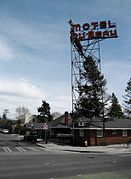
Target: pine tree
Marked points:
90	103
44	111
127	100
115	110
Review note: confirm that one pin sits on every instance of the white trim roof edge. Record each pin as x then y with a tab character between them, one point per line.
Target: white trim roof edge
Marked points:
105	128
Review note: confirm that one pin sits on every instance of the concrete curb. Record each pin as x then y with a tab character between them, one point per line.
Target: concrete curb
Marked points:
82	151
102	149
68	150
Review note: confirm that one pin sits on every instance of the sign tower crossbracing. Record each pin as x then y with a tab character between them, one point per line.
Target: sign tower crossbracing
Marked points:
85	41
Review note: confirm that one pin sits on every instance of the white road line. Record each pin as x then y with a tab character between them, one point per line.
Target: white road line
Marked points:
20	149
4	148
7	149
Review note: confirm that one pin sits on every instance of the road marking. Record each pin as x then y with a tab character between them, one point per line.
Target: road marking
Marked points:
20	149
7	149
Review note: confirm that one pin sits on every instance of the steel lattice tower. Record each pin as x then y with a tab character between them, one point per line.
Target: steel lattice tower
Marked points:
81	48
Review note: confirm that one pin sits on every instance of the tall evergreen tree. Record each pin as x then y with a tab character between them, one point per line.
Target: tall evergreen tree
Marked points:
4	116
44	112
115	110
127	100
90	103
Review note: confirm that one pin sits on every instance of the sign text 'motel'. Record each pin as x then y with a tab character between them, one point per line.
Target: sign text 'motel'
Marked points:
94	30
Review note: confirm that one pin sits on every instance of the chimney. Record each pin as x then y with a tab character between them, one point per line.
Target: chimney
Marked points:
66	118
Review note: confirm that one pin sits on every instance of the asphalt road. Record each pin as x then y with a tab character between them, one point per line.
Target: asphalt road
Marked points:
42	164
13	145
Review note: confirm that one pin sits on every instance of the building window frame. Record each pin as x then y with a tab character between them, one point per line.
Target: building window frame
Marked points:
113	132
81	133
99	133
124	133
81	123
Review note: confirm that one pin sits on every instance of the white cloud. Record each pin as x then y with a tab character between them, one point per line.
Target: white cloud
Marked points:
19	88
21	92
15	93
62	103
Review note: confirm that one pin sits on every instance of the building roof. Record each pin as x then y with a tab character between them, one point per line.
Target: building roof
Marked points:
35	125
61	121
95	123
110	124
60	126
119	123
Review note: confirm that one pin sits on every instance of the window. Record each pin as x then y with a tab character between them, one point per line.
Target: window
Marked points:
124	133
81	133
81	123
52	132
113	132
99	133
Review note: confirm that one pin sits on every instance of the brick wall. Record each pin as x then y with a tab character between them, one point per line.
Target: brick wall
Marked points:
93	140
114	140
110	138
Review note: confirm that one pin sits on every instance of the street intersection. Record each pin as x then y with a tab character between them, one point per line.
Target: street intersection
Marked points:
26	160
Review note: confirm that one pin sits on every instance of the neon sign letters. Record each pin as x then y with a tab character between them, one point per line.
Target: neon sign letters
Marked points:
94	30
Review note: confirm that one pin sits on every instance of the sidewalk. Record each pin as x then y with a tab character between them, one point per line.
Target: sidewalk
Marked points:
110	149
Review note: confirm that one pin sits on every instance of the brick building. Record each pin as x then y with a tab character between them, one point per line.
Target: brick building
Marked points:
116	131
63	130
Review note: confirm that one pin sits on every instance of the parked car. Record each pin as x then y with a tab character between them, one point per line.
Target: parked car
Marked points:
30	136
5	131
1	130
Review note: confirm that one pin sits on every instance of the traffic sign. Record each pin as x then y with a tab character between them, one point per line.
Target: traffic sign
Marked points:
45	126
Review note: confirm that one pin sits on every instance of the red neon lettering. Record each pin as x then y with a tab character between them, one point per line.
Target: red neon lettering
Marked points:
76	27
98	34
106	33
90	35
111	25
113	33
86	26
81	36
94	24
102	24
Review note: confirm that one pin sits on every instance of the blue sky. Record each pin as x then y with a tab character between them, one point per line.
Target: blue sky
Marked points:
35	50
